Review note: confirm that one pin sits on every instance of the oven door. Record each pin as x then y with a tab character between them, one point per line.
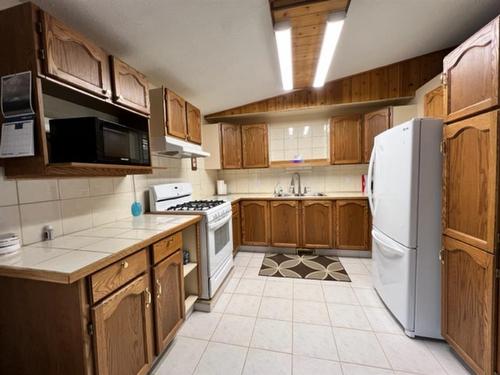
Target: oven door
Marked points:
219	242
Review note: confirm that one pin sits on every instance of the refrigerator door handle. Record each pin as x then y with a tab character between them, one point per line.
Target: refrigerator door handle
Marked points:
389	251
370	181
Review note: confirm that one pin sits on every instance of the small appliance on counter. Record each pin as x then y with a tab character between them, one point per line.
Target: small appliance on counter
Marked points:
221	187
9	243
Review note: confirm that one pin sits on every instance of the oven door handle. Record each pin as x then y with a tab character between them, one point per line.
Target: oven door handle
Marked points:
219	223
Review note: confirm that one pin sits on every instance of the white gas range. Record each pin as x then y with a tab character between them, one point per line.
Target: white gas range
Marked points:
216	237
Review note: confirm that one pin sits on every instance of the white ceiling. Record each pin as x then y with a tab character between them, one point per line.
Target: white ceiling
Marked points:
221	53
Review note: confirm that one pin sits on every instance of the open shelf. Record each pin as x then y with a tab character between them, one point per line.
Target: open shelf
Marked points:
189	302
188	268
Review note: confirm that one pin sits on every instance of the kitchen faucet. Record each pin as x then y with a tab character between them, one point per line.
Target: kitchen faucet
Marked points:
292	185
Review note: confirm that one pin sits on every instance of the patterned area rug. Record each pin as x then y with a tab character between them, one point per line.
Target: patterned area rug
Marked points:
316	267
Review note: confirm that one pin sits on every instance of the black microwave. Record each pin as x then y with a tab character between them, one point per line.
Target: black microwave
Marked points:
93	140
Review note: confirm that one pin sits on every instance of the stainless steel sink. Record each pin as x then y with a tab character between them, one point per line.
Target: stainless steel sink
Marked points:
287	195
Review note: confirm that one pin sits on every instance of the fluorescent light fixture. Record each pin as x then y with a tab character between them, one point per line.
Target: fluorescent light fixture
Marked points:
330	39
283	35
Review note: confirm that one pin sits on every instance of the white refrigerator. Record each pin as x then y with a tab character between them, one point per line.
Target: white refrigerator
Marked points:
404	194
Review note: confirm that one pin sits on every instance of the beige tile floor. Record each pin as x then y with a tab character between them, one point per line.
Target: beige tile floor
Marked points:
273	326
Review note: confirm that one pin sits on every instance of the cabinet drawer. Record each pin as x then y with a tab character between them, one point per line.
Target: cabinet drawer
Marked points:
167	246
114	276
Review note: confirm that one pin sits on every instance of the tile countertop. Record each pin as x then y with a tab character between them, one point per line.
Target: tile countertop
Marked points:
233	198
71	257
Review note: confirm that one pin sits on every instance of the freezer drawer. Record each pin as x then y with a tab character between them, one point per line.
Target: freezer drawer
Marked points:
394	268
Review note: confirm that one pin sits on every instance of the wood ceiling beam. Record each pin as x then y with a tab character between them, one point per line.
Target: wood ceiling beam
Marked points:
395	81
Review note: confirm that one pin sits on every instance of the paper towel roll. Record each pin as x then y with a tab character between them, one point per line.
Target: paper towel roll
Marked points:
221	187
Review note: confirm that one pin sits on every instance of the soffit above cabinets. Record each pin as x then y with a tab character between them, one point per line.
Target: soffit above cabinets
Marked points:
308	21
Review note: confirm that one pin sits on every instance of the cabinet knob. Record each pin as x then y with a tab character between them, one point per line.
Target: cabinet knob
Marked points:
124	264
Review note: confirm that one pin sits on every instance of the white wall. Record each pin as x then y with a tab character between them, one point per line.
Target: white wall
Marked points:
73	204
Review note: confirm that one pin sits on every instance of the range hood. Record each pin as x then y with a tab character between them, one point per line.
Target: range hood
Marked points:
176	148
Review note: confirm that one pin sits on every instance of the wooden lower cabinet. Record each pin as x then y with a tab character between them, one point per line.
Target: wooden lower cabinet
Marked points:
254	223
123	331
352	224
236	227
468	290
169	299
285	223
317	227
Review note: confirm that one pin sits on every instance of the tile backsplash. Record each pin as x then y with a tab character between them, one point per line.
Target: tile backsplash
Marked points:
73	204
299	139
333	178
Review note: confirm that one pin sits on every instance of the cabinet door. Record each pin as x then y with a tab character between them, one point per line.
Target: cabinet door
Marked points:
467	309
255	152
231	146
471	74
130	87
123	331
352	224
176	115
345	140
374	123
285	223
236	227
193	118
254	223
169	299
72	58
434	104
470	180
317	226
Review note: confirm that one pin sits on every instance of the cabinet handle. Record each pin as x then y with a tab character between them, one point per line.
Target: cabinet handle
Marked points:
158	287
441	256
443	79
148	297
124	264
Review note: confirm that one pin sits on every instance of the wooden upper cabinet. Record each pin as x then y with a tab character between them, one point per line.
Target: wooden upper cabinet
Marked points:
254	223
130	87
285	223
345	140
374	123
255	152
72	58
317	225
123	330
468	287
169	299
471	74
434	103
471	180
352	224
230	146
193	120
176	114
